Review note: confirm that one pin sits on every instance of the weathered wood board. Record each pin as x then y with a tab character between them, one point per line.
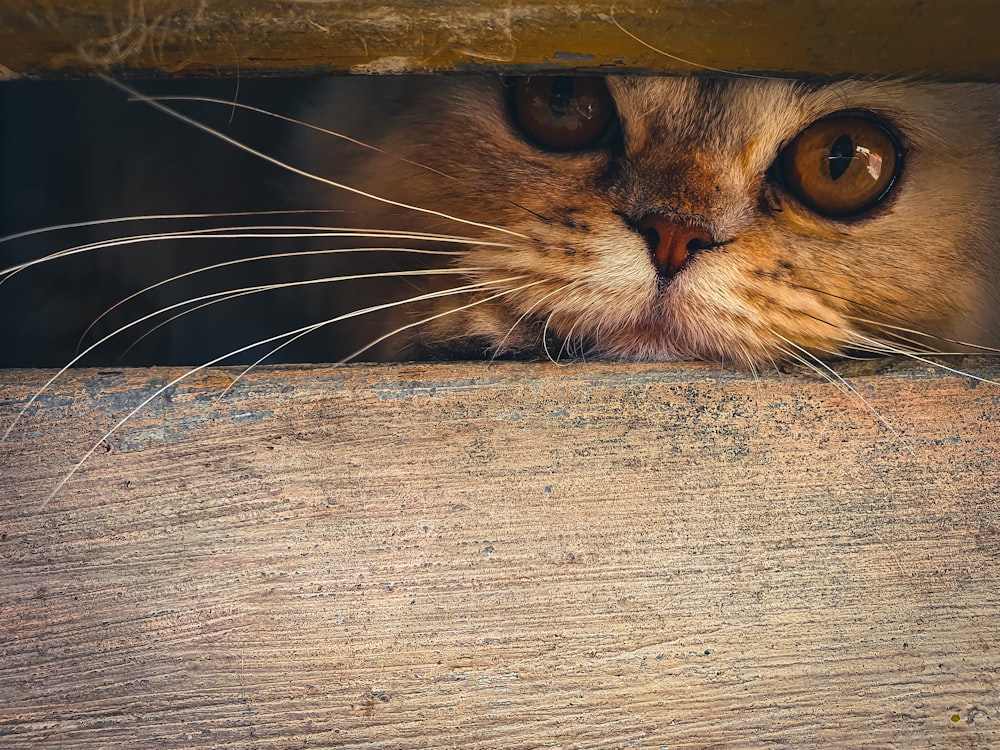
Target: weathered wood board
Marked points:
952	40
524	556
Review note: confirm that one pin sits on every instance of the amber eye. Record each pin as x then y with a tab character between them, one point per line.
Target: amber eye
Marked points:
562	113
842	165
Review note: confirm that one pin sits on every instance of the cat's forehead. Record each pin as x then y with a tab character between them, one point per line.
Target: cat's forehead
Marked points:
749	119
711	112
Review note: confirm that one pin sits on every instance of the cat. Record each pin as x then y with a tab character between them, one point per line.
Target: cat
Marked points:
745	221
748	221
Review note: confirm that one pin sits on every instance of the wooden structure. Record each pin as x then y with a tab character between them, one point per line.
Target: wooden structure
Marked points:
955	40
508	556
511	555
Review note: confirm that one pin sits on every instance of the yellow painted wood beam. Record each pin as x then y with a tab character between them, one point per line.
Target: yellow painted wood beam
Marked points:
943	40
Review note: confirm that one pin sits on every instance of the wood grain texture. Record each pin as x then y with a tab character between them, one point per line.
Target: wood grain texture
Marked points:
520	556
953	40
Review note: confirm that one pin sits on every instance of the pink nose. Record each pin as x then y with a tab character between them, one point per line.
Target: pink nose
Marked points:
671	242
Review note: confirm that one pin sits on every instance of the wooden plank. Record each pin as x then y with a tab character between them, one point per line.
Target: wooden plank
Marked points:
217	37
410	556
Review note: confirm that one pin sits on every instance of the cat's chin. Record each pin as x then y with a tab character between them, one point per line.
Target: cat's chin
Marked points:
495	331
647	346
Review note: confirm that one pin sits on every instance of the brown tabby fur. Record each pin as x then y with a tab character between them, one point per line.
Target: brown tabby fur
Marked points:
926	260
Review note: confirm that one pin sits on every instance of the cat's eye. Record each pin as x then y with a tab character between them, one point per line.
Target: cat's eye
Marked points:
563	113
842	165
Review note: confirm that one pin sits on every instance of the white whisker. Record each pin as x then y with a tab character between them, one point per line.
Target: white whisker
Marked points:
565	347
428	319
343	137
270	232
295	170
754	372
545	342
159	391
256	258
161	217
882	347
305	329
429	295
914	332
659	51
177	316
499	347
837	378
300	123
220	297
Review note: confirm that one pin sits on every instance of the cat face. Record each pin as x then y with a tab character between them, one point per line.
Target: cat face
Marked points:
681	227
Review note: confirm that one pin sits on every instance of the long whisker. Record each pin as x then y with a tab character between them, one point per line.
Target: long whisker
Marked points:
181	314
276	231
348	139
295	170
896	332
888	313
858	341
565	346
837	379
680	59
431	295
822	373
428	319
221	297
159	391
882	347
830	376
139	339
545	342
6	273
754	372
499	347
270	256
162	217
914	332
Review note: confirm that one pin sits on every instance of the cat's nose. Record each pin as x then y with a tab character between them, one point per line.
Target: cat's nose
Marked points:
671	242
